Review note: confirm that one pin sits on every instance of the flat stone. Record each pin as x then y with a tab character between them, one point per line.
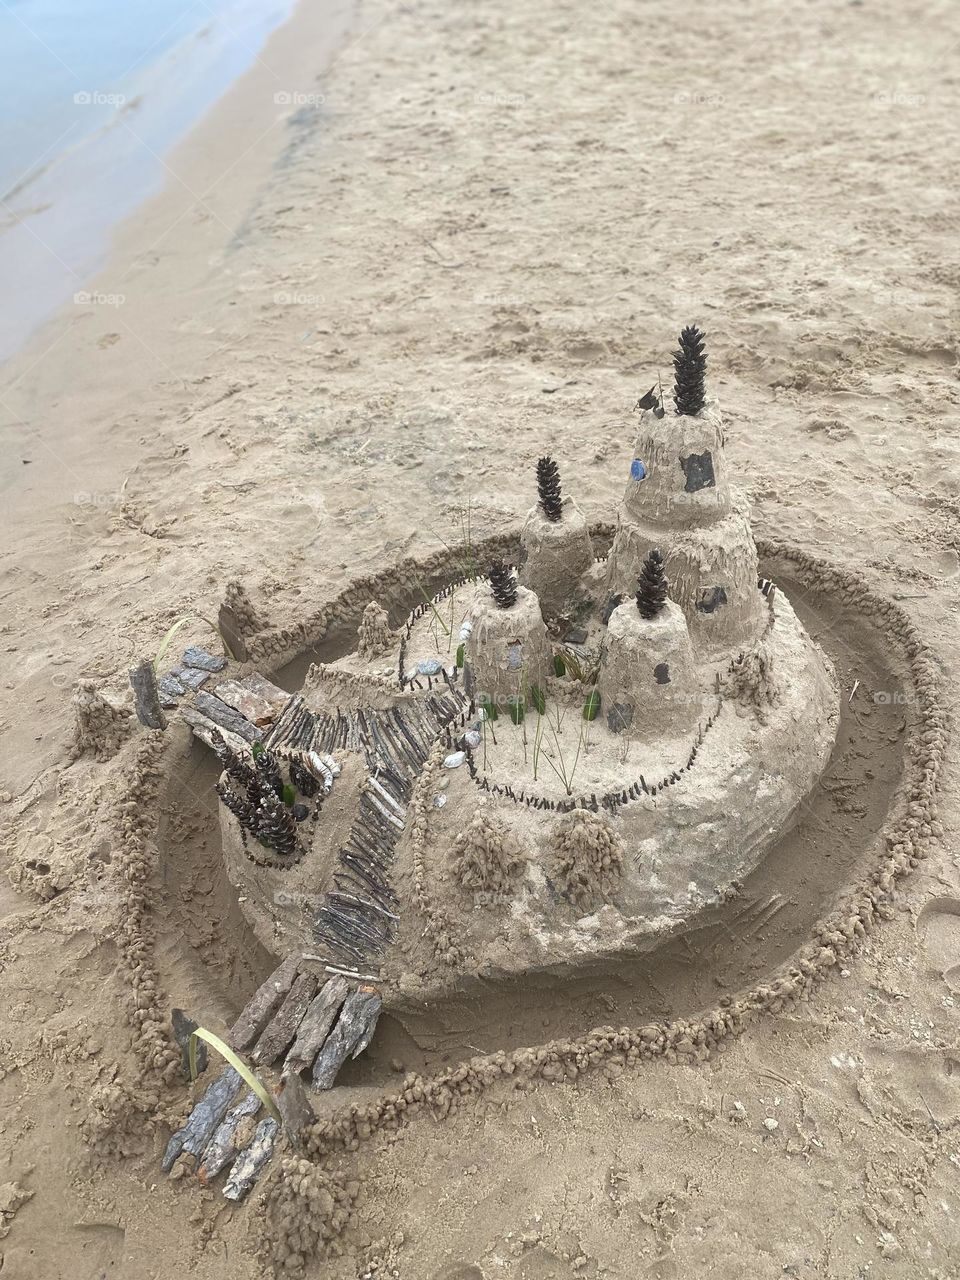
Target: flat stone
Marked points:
429	667
577	636
171	688
205	729
197	657
698	469
226	716
249	704
619	717
472	738
454	760
267	690
192	677
661	673
711	599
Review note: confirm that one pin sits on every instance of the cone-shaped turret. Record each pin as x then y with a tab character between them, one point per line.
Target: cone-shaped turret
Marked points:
557	545
678	499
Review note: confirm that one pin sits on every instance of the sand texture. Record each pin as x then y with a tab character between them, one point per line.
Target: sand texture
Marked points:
349	333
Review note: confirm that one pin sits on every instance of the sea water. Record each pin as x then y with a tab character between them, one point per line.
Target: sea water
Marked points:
93	95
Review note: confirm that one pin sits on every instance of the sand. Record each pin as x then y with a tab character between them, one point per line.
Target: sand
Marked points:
375	320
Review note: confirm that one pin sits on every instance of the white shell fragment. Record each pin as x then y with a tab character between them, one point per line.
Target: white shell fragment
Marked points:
466	631
454	760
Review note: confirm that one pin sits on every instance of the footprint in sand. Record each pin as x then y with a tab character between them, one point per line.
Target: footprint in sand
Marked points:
939	926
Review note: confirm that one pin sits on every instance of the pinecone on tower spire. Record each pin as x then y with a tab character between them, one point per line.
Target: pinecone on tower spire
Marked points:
548	484
277	825
690	367
503	584
241	808
269	773
652	586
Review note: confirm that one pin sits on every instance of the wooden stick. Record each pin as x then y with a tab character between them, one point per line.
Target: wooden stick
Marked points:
143	679
283	1026
264	1004
247	1166
316	1025
350	1036
222	1147
203	1119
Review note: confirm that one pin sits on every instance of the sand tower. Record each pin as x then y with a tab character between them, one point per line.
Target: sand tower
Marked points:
648	680
557	543
678	498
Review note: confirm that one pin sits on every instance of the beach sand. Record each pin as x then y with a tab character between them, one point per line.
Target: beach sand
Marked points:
344	321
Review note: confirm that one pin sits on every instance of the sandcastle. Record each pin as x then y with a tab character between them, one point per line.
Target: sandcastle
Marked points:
544	763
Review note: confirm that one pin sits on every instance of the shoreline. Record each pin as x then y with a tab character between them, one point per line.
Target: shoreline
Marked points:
352	355
165	248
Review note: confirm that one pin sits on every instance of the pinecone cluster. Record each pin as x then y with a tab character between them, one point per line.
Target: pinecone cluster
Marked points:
652	586
548	485
255	796
690	367
503	584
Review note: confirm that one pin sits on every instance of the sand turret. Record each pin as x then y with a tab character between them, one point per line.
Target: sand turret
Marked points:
678	498
507	651
556	541
648	680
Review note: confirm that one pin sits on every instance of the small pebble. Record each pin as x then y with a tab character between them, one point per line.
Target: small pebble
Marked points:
439	800
454	760
472	739
429	667
770	1124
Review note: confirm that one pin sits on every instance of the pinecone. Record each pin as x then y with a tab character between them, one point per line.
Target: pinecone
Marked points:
303	779
503	584
277	825
652	586
690	365
269	772
240	807
234	766
548	483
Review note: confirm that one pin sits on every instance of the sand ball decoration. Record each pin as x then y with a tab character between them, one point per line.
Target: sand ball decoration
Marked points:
486	855
586	857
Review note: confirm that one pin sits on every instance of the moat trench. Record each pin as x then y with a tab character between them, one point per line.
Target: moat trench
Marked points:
210	961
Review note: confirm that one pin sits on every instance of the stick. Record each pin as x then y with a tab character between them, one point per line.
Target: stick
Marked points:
283	1026
143	679
316	1025
264	1004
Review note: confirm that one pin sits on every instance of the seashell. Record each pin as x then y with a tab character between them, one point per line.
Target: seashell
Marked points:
466	631
429	667
454	760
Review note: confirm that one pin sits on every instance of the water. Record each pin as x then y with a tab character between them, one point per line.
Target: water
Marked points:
93	94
